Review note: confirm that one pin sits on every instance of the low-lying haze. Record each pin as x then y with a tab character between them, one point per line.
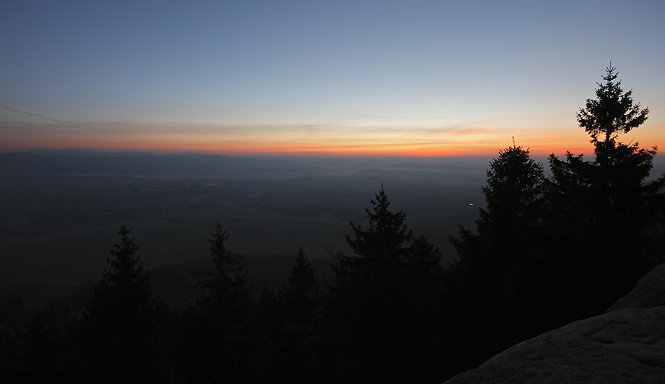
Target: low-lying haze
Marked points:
62	209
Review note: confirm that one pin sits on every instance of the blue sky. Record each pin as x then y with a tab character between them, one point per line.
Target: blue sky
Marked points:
374	77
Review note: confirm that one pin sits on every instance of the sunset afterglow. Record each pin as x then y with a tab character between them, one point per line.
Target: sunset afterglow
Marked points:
343	79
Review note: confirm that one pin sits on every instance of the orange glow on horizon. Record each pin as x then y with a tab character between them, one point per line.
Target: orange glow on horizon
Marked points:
485	144
275	149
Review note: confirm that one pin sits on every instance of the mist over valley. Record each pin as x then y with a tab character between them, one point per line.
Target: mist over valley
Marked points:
62	209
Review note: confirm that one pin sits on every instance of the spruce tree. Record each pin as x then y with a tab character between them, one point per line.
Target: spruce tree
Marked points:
612	112
380	318
217	335
300	300
601	210
227	289
118	323
300	295
501	272
508	229
124	289
382	245
513	196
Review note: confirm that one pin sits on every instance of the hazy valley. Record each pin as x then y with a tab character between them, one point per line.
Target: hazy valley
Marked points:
61	210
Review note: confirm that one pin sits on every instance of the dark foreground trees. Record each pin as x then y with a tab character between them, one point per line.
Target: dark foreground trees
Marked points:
612	111
298	308
603	211
500	280
120	324
215	336
550	251
380	315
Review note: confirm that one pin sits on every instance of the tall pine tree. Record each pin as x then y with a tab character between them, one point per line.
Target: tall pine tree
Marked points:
300	300
612	112
300	295
216	337
513	195
601	211
380	314
500	275
227	289
118	323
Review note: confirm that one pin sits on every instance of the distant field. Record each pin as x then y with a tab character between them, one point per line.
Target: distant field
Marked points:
60	213
59	222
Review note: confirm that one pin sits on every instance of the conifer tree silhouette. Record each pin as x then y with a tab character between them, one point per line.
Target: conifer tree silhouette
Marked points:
300	295
300	300
218	335
118	319
227	288
513	195
612	112
509	224
379	307
500	271
384	243
601	209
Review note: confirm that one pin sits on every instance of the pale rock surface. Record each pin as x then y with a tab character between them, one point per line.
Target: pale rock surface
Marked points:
624	345
648	293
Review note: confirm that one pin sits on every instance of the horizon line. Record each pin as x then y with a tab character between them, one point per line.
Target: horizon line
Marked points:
312	154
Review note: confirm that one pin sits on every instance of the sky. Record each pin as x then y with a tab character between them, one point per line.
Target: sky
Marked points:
424	78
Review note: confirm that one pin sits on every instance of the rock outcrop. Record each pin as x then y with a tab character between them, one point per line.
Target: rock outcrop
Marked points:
648	293
624	345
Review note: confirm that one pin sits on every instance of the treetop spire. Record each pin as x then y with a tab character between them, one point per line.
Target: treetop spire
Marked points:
612	112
